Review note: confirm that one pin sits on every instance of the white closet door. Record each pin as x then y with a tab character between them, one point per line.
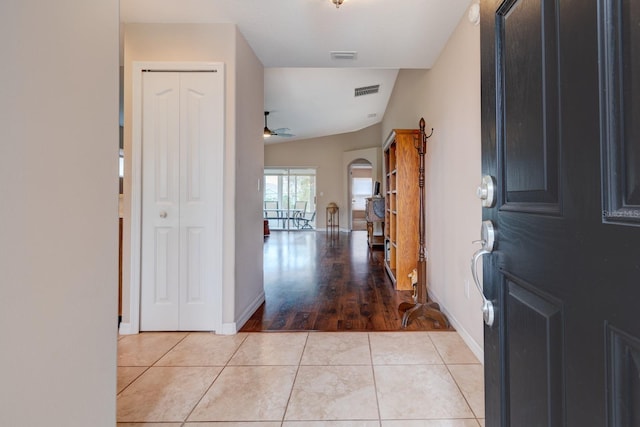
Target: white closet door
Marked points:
159	299
181	210
201	142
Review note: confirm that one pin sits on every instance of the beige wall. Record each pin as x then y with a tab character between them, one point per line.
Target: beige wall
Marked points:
448	97
249	236
59	212
217	43
326	154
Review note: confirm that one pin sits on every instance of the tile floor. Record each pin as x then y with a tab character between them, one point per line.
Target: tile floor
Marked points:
306	379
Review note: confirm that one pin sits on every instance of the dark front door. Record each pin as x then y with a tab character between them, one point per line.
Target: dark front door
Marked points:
561	137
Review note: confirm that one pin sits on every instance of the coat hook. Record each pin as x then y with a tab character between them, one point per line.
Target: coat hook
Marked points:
429	136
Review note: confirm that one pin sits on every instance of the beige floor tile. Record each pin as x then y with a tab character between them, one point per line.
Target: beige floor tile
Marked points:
470	422
481	422
146	348
333	393
247	393
410	348
148	424
337	348
203	349
452	348
236	424
353	423
126	375
439	396
164	393
470	379
270	349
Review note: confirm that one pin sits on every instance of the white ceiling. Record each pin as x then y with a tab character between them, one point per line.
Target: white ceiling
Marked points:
305	89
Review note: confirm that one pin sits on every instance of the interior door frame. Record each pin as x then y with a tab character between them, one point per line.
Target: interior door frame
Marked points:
372	155
357	164
136	184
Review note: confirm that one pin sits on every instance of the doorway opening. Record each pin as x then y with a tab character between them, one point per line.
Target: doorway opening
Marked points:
360	187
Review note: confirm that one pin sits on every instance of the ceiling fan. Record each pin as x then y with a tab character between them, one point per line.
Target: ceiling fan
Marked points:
276	132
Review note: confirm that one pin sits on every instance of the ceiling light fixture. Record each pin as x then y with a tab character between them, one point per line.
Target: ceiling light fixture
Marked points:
337	2
267	132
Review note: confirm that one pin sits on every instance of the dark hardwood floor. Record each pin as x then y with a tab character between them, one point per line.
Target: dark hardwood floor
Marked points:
317	283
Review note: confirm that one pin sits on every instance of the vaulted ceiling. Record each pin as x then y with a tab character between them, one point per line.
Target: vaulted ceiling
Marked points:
307	89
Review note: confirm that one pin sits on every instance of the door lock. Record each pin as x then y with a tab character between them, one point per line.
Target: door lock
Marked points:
487	191
488	241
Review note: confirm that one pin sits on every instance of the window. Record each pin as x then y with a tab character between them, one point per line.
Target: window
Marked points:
361	190
290	194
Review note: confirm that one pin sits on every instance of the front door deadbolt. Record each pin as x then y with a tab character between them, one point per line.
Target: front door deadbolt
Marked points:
487	191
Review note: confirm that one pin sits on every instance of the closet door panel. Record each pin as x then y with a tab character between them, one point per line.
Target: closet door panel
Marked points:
159	308
201	154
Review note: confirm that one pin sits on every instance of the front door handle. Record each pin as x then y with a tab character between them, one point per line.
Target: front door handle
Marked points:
488	243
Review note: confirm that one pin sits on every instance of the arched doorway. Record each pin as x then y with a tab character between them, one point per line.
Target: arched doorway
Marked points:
361	185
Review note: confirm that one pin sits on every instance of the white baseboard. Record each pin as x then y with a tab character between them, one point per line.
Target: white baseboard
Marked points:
326	230
125	329
234	327
229	329
475	348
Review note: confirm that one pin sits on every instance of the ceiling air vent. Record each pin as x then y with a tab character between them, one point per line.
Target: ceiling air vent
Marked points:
367	90
344	54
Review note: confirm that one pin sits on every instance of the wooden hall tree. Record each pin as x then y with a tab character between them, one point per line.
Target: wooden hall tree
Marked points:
405	248
421	307
401	214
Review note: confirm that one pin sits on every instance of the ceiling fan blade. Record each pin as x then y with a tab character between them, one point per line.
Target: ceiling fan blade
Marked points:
284	132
